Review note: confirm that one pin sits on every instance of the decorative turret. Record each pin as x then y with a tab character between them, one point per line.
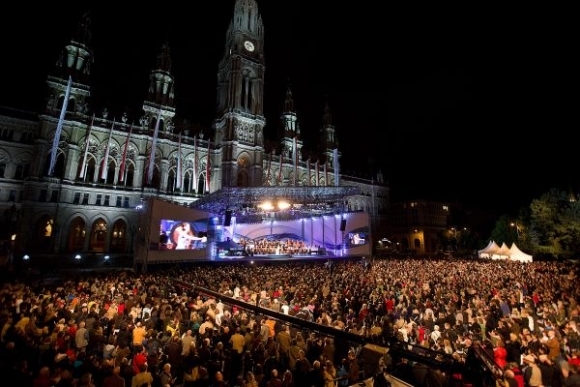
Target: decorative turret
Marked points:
328	132
161	88
75	61
329	146
289	117
77	57
160	95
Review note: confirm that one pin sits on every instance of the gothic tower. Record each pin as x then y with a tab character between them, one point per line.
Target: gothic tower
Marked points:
75	62
239	126
159	106
330	160
291	142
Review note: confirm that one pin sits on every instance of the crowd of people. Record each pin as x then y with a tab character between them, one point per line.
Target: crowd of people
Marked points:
143	329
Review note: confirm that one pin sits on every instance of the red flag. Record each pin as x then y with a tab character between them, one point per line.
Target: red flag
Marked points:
151	164
207	167
179	176
87	143
124	159
195	171
105	163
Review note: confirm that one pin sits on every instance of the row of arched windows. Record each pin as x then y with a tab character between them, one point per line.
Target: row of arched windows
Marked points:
97	237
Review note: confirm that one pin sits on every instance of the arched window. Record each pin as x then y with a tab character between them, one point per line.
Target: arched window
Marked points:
59	164
43	234
98	235
118	236
186	182
171	181
76	235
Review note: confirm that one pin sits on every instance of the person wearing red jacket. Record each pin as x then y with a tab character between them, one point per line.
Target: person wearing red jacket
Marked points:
139	359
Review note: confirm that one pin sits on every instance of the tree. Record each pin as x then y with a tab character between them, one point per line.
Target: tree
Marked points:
555	224
504	231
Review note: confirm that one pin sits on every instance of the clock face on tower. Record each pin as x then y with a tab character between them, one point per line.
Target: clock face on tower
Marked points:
249	45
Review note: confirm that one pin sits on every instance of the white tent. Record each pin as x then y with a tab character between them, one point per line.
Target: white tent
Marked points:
517	255
489	250
502	253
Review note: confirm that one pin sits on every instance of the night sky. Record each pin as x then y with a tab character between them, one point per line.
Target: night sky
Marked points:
450	104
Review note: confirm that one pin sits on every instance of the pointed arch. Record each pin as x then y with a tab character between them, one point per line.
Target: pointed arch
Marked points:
42	234
171	180
98	235
130	152
156	176
76	235
201	183
70	107
111	150
129	173
187	181
89	163
60	163
118	241
243	176
248	90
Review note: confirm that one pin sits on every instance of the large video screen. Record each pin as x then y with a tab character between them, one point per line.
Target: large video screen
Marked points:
358	238
182	235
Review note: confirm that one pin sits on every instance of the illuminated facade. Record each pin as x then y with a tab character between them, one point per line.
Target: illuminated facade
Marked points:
417	226
82	191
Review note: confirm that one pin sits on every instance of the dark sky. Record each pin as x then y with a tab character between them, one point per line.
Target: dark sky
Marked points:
451	104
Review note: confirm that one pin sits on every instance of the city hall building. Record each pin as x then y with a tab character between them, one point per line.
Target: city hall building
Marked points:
76	183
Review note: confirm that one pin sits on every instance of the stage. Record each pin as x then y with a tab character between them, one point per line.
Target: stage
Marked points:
282	257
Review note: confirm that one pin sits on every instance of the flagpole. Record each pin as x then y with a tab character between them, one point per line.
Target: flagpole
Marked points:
295	158
124	159
87	143
280	170
105	164
195	164
269	168
309	171
317	173
336	167
58	131
152	153
179	176
207	166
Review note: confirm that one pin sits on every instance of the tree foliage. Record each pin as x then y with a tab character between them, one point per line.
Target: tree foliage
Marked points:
549	226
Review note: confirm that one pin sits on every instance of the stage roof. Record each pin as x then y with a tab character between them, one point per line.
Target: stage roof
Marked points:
310	200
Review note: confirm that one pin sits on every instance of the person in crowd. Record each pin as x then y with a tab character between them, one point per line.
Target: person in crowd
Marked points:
143	377
407	291
114	379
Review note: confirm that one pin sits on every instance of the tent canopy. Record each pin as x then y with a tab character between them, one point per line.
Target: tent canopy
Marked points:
517	255
513	253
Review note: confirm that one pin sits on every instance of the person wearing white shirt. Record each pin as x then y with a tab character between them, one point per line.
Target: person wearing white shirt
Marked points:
285	307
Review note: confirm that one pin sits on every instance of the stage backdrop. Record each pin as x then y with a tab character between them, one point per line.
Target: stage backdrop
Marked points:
340	235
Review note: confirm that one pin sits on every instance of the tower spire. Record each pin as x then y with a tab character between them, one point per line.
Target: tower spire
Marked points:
77	56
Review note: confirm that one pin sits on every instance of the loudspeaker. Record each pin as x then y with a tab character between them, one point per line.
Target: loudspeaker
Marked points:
342	224
228	218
